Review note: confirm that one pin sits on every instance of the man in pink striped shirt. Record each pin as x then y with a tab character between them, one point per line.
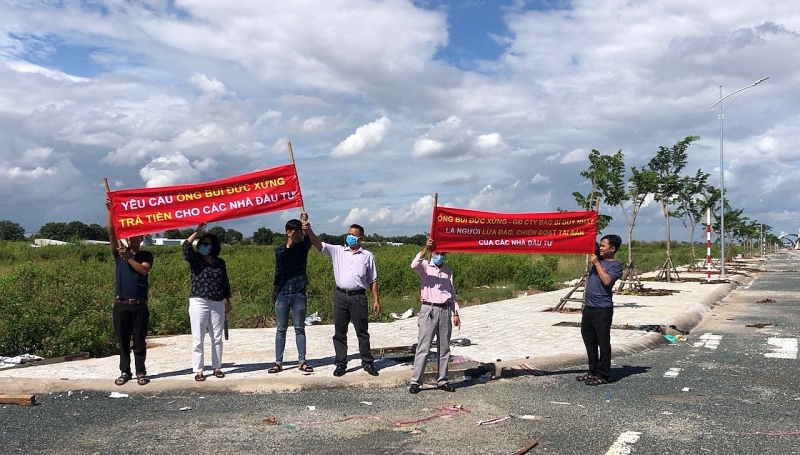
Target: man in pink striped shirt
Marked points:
438	298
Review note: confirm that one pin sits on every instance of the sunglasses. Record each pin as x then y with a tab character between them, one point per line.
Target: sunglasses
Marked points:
205	244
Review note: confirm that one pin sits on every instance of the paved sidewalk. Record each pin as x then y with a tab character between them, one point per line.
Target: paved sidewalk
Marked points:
503	334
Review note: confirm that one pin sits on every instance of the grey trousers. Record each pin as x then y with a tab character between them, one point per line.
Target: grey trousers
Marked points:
433	320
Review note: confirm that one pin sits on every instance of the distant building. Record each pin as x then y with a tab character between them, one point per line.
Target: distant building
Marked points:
44	242
148	241
165	242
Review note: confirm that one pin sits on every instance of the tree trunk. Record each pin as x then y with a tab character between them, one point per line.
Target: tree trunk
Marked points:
630	248
666	221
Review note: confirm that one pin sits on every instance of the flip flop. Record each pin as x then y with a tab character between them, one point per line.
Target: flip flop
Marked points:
142	379
199	377
122	379
596	381
305	367
218	373
277	368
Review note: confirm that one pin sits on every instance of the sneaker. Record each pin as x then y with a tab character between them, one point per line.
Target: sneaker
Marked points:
370	368
414	389
339	371
447	388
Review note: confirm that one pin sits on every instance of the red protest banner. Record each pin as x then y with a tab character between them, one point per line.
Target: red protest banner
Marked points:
148	210
488	232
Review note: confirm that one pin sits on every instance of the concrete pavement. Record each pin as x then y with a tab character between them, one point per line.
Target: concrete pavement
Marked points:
503	334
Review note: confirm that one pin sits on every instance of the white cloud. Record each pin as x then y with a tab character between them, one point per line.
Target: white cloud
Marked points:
169	170
575	156
427	147
267	116
29	68
539	178
419	210
365	136
314	123
207	85
491	143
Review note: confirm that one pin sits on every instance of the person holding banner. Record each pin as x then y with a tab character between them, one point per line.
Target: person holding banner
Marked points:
209	299
131	315
599	310
438	297
289	292
354	271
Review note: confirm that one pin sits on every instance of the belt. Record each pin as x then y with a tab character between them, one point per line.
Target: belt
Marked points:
130	301
442	305
353	292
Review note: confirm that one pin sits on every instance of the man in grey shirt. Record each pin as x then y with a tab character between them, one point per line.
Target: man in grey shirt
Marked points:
598	310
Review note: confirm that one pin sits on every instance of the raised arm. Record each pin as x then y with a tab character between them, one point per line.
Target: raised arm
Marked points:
310	232
605	278
112	235
417	263
200	228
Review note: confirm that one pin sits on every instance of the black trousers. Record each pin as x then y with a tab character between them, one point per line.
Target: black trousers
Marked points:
347	309
131	321
596	333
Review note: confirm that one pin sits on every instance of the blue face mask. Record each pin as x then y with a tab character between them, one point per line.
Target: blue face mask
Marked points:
437	259
351	240
204	250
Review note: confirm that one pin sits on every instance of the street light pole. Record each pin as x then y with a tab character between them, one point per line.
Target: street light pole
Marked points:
721	116
761	234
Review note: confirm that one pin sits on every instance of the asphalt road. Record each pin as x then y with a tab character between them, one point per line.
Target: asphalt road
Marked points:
728	389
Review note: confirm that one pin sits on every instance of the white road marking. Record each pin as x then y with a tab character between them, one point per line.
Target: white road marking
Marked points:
709	340
672	373
784	348
622	446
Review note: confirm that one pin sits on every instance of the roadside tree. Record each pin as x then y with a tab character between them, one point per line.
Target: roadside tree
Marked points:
12	231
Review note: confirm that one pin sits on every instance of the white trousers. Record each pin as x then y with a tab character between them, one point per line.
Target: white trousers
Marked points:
206	315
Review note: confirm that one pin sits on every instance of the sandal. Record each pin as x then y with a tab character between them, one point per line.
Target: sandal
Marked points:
585	377
277	368
218	373
122	379
305	367
596	381
199	377
142	379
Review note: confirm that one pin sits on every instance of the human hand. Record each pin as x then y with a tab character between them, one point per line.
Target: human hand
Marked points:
228	306
201	227
376	307
108	203
457	321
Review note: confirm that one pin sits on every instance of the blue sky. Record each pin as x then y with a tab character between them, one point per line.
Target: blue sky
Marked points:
494	105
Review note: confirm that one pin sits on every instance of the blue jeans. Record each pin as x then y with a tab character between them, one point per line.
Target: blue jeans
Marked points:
295	301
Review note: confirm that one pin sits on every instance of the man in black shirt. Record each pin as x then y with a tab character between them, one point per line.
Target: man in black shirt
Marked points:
131	314
289	292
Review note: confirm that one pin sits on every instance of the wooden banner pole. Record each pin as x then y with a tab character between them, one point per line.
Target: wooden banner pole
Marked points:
433	221
291	158
108	190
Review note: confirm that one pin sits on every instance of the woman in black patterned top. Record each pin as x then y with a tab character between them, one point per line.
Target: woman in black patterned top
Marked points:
209	299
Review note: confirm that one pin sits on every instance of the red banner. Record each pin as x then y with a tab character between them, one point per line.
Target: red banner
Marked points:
148	210
487	232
